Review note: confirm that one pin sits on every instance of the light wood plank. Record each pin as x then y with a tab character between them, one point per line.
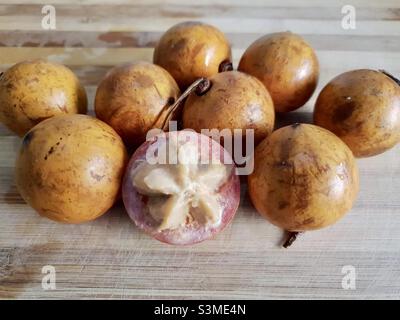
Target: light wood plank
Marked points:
201	11
228	3
117	39
108	23
112	56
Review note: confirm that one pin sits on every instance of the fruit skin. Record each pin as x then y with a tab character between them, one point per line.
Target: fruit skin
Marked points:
69	168
362	107
286	65
131	96
32	91
234	101
135	202
304	178
191	50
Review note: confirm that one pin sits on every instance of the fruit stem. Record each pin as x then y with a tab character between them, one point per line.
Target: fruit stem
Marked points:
200	87
225	65
390	76
291	237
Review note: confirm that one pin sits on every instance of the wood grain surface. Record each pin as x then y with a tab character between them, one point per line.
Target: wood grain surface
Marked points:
110	257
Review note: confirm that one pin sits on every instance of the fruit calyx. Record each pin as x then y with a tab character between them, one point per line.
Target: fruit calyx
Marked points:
181	190
200	87
390	76
225	65
291	237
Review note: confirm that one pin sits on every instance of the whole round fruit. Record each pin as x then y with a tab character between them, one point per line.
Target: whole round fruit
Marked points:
131	97
70	167
181	187
304	178
235	100
286	65
362	107
32	91
191	50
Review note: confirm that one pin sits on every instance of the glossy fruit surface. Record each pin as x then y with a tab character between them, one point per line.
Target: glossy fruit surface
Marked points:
235	100
362	107
131	97
32	91
69	168
287	66
304	178
191	50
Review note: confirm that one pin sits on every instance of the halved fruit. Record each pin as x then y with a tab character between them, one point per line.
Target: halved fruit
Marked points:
181	187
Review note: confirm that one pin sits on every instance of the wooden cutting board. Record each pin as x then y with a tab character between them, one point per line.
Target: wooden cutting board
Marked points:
110	257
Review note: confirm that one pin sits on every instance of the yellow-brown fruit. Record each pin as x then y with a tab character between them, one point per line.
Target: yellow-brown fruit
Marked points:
362	107
234	100
69	168
287	66
304	178
191	50
32	91
131	97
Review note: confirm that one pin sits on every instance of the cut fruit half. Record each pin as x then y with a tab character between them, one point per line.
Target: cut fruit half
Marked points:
181	187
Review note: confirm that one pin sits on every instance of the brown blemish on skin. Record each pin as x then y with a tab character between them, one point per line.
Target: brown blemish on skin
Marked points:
196	50
96	176
303	195
282	205
144	81
285	149
179	45
51	150
344	111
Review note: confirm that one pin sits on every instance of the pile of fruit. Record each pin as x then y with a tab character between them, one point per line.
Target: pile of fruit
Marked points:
72	167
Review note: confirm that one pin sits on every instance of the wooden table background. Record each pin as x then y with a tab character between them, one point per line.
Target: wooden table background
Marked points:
109	257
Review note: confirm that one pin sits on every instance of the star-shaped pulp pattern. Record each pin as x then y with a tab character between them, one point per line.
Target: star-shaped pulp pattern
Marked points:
181	191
